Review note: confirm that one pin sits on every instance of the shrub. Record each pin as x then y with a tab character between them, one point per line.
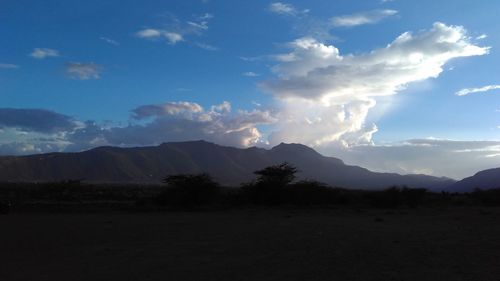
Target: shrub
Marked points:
67	190
395	196
489	197
261	193
189	190
311	193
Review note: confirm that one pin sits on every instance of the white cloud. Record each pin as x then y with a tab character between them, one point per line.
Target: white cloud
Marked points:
326	96
41	53
24	131
201	22
481	37
151	33
282	8
368	17
173	37
177	121
252	59
27	131
250	74
206	16
439	157
109	40
8	66
286	9
224	107
176	30
467	91
202	25
83	71
207	47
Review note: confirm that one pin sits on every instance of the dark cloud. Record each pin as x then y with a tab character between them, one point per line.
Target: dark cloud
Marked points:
33	131
37	120
185	109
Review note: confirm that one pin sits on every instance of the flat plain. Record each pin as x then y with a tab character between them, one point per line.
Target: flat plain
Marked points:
458	243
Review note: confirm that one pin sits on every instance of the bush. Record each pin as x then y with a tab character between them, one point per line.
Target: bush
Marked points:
189	190
311	193
304	193
489	197
395	196
261	193
68	190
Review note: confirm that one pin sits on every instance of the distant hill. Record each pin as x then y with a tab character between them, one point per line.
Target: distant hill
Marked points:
227	165
487	179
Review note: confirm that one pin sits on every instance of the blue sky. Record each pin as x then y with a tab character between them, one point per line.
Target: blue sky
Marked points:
404	86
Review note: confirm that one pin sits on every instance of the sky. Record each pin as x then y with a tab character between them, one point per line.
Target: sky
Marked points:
395	86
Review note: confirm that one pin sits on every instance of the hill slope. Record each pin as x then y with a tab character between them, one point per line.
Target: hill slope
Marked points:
487	179
228	165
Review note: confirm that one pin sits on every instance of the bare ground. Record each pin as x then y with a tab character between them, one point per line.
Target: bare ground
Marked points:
254	244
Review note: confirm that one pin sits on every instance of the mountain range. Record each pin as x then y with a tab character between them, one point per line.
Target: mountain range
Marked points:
228	165
487	179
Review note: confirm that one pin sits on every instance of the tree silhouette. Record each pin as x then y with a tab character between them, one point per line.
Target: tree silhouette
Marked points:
270	186
277	175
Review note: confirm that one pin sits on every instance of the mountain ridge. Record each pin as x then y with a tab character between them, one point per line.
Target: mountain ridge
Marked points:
228	165
485	179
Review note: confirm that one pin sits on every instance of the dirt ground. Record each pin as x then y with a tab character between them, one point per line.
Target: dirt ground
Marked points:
253	244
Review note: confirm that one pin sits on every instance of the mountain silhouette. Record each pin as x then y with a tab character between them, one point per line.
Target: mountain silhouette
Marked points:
228	165
487	179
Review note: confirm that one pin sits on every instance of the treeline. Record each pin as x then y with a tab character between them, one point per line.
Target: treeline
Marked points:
274	186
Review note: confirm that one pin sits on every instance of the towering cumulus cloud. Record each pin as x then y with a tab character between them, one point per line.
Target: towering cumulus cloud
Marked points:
327	96
188	120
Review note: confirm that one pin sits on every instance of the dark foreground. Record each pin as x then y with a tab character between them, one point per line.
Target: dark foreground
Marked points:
459	243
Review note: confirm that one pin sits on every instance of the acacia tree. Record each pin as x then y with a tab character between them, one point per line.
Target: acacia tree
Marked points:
269	188
277	175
